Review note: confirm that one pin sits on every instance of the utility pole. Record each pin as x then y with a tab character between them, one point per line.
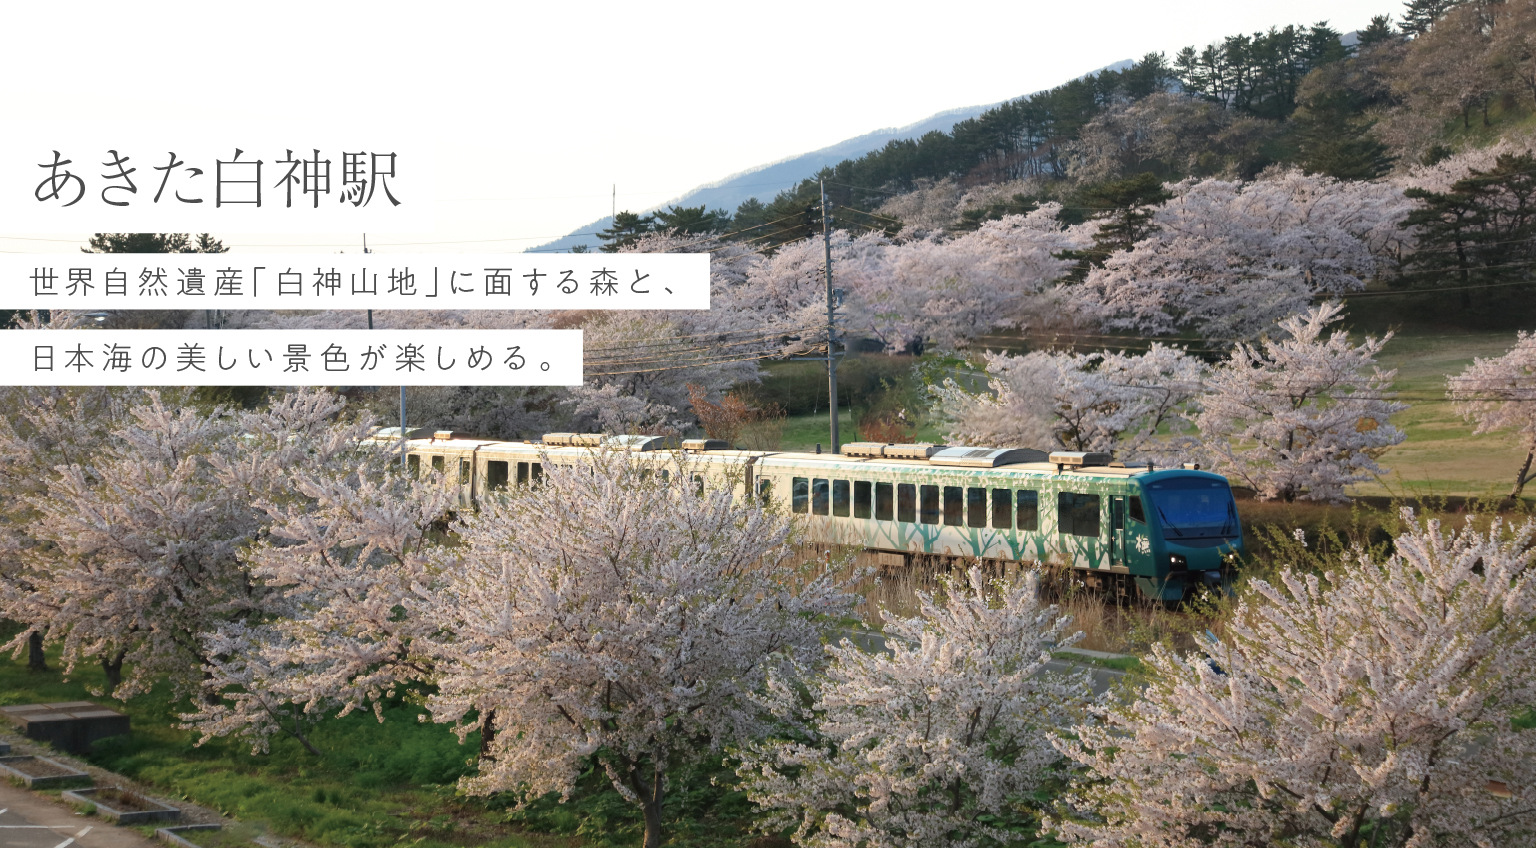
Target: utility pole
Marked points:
826	241
402	388
370	312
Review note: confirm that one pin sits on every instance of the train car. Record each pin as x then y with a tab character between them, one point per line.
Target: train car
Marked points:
1160	532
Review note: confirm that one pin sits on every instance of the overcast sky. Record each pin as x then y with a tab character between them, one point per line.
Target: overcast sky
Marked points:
540	108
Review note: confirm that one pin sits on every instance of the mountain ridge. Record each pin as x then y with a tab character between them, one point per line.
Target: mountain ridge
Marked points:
773	177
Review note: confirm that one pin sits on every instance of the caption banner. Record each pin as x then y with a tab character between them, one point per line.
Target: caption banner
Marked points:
107	281
292	357
230	179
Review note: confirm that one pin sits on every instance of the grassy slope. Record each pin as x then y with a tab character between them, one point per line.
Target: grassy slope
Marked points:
1440	455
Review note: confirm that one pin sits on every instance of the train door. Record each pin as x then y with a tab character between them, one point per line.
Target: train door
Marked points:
465	480
1119	548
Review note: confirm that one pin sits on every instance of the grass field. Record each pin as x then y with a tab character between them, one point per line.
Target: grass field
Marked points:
1440	455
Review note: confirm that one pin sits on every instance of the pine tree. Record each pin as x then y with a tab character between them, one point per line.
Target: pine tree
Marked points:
1480	230
692	220
750	215
1380	31
153	243
1124	211
1422	14
627	229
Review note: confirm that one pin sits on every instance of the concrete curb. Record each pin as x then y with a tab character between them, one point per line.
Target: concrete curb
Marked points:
173	834
164	813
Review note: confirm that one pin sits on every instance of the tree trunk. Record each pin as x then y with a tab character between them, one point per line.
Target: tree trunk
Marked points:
1466	275
652	810
487	734
1523	477
650	802
113	666
36	661
298	733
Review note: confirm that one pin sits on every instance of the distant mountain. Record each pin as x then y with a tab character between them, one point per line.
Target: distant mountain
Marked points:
765	181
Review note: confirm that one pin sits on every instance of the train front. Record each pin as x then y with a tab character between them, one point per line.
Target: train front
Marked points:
1196	535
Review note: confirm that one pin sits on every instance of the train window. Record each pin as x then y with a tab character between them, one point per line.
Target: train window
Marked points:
861	499
840	498
1002	509
413	462
906	502
1028	516
975	507
1077	514
953	505
819	496
885	502
522	474
698	484
1116	514
800	495
1136	512
437	464
764	491
538	471
464	469
929	511
666	476
495	475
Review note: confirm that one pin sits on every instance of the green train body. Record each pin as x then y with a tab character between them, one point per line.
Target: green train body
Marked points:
1163	531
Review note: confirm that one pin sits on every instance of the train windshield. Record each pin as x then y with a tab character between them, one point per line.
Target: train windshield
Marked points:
1194	507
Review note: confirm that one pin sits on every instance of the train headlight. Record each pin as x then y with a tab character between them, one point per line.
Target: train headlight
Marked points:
1177	562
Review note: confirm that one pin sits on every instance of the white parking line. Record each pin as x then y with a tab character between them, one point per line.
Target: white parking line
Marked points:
65	843
82	833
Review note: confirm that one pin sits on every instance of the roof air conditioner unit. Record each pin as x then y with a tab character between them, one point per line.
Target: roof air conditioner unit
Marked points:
1079	459
864	449
985	457
921	450
706	444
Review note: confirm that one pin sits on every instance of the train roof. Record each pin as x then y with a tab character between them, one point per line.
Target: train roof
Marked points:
858	454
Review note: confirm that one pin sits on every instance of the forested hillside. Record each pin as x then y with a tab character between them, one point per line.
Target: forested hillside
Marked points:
1412	88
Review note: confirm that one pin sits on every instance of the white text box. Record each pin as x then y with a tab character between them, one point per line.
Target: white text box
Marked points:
291	357
108	281
137	178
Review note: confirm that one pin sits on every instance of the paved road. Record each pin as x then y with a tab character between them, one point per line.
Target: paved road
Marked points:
32	821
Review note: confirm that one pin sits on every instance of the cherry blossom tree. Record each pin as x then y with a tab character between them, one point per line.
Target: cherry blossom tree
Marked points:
615	615
605	614
931	742
1129	404
1500	394
137	542
786	293
343	569
1378	704
1300	417
945	291
1230	259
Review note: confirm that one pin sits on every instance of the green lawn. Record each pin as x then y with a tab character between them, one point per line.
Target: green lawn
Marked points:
804	432
1440	455
376	784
